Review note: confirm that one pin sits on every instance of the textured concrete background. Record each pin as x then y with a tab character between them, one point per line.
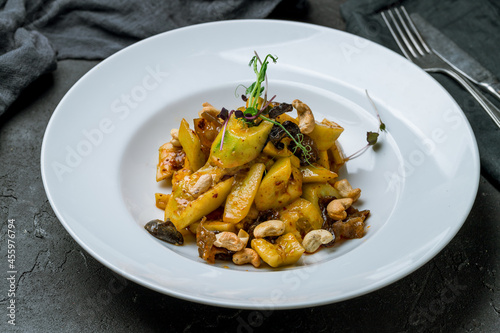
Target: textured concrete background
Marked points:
61	288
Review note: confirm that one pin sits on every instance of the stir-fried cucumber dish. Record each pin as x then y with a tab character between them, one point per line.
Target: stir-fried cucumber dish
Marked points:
257	184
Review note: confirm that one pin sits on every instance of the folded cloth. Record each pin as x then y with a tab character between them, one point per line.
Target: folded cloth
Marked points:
474	26
24	54
35	33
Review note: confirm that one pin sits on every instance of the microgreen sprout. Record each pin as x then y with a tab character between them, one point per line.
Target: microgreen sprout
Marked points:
252	112
306	149
256	88
381	126
371	137
253	92
297	141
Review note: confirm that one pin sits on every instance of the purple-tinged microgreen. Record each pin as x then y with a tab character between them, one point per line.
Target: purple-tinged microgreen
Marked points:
381	124
224	126
371	137
267	104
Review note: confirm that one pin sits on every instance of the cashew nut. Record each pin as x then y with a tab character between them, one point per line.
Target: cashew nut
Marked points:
202	185
229	240
174	132
306	117
336	208
245	256
243	236
269	228
346	191
313	239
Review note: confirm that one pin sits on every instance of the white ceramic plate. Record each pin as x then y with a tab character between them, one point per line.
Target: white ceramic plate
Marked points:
99	156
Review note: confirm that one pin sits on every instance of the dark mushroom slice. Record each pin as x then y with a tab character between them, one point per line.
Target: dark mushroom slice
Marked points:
280	109
164	231
278	133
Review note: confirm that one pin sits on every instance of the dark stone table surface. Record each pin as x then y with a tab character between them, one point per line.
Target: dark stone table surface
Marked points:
61	288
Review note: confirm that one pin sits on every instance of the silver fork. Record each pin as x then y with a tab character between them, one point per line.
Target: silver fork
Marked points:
416	50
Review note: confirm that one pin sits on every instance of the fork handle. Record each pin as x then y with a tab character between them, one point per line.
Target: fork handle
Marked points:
493	88
488	106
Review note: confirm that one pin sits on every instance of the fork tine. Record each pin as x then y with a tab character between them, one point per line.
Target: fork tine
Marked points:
407	30
400	35
415	30
396	37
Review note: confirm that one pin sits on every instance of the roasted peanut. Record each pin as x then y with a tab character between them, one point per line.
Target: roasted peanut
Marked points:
246	256
202	185
306	117
336	208
314	238
346	191
229	240
269	228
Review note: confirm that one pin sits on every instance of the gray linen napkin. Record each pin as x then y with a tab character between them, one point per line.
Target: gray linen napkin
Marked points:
36	33
24	54
474	26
